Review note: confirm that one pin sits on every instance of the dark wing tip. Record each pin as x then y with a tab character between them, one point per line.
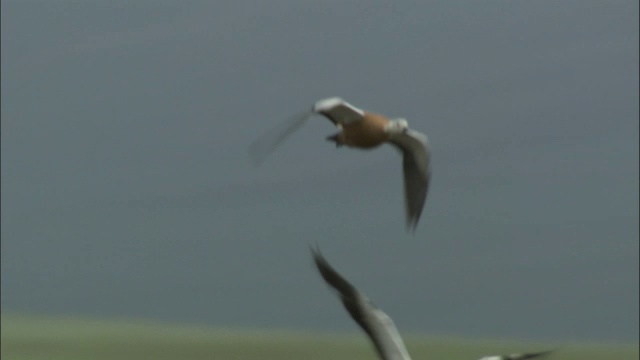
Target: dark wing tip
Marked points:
321	263
330	275
266	143
414	215
412	224
317	256
255	156
326	270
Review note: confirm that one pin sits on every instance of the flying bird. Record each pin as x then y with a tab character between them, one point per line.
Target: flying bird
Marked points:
364	130
376	323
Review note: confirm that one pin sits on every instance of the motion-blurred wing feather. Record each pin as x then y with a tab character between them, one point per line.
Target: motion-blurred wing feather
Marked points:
264	145
417	172
378	325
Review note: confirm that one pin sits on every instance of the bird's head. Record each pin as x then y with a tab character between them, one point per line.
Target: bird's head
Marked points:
396	126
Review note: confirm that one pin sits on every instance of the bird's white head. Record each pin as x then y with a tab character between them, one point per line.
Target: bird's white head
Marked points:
396	126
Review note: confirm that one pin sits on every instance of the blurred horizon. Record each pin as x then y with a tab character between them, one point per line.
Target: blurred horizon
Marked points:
28	338
115	325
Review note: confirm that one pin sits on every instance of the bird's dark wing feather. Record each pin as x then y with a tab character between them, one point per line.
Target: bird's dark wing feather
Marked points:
264	145
378	325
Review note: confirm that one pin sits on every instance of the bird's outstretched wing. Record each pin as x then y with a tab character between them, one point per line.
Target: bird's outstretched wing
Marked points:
335	109
417	172
523	356
338	111
378	325
264	145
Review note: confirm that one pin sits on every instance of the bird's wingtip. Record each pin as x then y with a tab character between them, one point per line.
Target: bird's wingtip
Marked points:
327	103
315	249
254	158
412	224
318	258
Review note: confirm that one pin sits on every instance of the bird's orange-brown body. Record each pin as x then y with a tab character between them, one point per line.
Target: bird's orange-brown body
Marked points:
367	133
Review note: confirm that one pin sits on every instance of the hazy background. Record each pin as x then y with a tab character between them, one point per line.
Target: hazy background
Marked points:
127	189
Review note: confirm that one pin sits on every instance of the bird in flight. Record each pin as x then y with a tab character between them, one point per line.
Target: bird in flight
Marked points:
376	323
364	130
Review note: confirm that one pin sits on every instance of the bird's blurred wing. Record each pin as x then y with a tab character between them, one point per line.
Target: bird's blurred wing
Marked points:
375	322
264	145
417	173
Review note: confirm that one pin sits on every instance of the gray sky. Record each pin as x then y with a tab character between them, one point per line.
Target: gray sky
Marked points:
127	189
